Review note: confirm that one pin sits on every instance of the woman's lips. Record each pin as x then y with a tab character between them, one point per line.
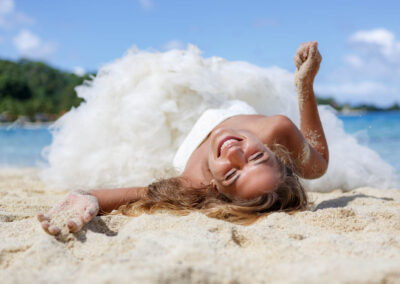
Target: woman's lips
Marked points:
225	142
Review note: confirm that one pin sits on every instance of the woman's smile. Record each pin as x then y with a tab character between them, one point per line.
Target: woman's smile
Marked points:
226	143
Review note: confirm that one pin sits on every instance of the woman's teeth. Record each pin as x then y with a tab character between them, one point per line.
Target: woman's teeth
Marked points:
226	144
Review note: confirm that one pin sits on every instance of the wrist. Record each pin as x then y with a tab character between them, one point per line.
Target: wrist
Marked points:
305	93
304	85
81	192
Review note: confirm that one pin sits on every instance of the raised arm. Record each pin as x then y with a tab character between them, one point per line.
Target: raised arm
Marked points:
307	146
312	160
307	60
79	207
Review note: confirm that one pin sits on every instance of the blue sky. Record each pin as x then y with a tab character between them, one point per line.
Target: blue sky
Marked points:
359	40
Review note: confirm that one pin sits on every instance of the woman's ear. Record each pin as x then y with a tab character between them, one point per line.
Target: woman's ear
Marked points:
214	185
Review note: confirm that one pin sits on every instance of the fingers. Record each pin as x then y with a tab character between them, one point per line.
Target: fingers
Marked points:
50	229
300	51
72	226
45	222
90	213
302	54
42	217
306	51
314	52
75	225
313	49
45	226
297	61
54	230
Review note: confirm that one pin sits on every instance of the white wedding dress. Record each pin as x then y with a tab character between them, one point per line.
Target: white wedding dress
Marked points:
139	109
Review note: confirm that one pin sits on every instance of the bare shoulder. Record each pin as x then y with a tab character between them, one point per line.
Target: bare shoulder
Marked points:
272	129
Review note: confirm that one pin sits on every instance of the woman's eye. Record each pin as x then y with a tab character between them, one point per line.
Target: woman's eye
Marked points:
230	175
257	156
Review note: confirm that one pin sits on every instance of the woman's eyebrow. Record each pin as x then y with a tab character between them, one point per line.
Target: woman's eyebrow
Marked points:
264	160
261	161
234	180
255	164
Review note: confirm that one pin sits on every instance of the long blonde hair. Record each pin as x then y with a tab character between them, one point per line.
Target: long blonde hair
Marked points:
171	194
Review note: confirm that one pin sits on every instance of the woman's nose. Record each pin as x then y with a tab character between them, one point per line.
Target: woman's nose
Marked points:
236	157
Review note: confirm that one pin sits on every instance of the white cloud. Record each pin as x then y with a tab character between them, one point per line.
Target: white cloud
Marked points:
380	37
173	44
146	4
79	71
30	45
6	6
371	71
377	42
376	54
11	18
26	41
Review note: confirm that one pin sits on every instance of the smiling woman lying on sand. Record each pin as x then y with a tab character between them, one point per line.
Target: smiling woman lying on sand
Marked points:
235	164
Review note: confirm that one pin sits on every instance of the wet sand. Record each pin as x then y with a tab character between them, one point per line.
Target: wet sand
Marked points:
345	237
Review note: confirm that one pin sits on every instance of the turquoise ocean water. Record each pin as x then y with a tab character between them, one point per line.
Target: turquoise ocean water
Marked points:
22	146
379	131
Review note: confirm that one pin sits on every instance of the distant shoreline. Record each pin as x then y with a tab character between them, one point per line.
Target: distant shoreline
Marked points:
362	112
26	124
360	108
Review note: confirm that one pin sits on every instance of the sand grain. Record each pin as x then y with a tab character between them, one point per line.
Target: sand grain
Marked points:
351	237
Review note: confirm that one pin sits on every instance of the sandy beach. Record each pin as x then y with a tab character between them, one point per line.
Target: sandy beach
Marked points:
345	237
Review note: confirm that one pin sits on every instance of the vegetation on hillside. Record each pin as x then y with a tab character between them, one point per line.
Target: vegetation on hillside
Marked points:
360	107
31	88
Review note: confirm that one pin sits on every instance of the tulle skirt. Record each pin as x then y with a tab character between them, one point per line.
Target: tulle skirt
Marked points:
139	108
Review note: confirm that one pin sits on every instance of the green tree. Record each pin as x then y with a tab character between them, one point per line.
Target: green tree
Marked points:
15	88
29	87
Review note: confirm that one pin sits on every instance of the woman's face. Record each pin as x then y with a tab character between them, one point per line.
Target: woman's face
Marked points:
241	165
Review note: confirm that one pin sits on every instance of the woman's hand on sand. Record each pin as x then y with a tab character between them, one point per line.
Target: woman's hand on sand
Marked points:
307	61
72	213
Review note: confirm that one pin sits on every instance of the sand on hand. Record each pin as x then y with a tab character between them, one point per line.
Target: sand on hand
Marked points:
345	237
61	220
